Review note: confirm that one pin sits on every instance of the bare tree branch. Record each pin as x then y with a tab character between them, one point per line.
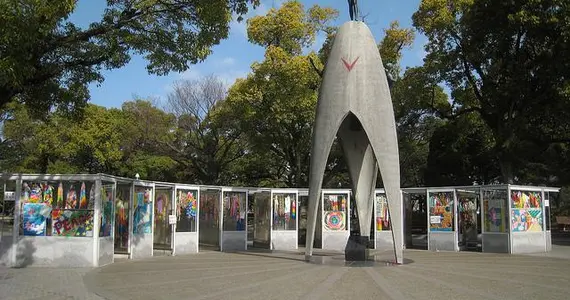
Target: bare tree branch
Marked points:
207	147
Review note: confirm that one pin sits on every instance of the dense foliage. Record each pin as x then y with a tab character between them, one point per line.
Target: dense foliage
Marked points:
47	61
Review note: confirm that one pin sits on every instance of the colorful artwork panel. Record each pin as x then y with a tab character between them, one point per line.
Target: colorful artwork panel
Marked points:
106	225
525	220
335	220
187	203
187	210
335	211
284	211
34	218
526	199
441	211
494	215
142	215
122	218
234	211
209	208
72	222
382	213
106	219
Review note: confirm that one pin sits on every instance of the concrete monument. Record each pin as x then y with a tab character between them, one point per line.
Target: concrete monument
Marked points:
355	105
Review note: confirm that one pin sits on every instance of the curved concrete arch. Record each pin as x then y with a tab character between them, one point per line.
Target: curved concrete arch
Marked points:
355	89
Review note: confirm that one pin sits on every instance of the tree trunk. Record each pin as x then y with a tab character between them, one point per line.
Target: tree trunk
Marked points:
506	165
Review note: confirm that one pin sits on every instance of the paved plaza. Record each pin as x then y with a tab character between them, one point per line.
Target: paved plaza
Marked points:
261	275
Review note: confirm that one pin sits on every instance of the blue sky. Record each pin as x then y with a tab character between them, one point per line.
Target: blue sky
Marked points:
233	57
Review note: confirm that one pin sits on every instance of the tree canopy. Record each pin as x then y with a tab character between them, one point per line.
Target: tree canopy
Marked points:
47	61
507	62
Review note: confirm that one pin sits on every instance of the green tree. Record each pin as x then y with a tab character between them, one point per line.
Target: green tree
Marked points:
507	61
206	143
47	61
275	105
461	153
63	145
413	96
290	27
395	40
145	133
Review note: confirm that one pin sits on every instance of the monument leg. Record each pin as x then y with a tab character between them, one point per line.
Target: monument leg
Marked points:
385	146
323	138
363	172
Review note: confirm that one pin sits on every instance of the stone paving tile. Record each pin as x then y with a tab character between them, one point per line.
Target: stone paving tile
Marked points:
430	275
44	283
214	275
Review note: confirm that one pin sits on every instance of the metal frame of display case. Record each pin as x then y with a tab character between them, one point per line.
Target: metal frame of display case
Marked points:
233	233
220	217
172	188
187	236
414	191
132	251
489	237
475	190
41	242
285	233
331	239
124	181
548	226
95	248
256	243
445	242
519	246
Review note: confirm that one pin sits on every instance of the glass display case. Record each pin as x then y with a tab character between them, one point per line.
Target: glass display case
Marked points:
234	221
284	233
187	209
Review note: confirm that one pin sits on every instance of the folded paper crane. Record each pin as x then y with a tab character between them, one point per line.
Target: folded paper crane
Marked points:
355	105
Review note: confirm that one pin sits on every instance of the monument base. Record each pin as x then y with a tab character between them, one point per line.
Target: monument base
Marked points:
356	249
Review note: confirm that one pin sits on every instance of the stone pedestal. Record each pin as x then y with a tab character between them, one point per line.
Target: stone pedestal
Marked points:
356	248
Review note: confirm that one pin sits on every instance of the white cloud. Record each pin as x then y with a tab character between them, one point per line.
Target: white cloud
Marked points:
191	74
229	77
226	61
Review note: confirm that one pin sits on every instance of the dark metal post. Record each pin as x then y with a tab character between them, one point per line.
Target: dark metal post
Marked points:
353	9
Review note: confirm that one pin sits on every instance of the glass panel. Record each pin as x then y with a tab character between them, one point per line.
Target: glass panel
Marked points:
284	211
209	232
142	210
122	204
495	210
107	201
187	204
7	204
526	211
262	218
382	213
467	201
441	211
552	199
45	210
234	211
162	209
335	212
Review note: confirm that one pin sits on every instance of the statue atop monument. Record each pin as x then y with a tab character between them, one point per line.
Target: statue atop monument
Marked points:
353	9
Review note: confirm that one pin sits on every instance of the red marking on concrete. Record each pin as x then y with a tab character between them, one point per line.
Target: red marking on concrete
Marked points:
349	66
